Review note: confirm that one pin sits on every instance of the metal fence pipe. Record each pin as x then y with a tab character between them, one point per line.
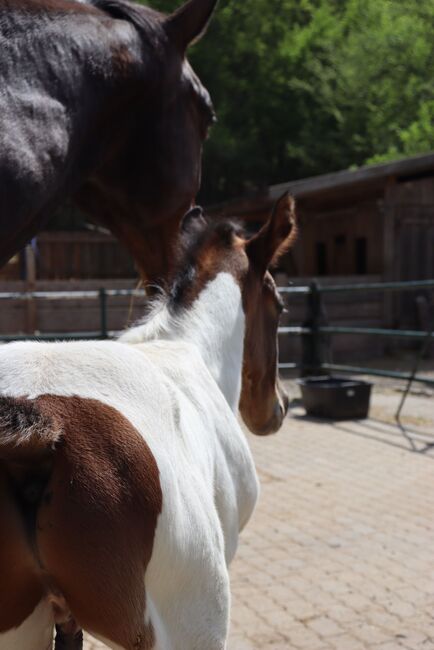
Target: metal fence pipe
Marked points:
289	366
47	295
375	331
296	329
369	331
379	286
376	373
137	293
69	295
302	289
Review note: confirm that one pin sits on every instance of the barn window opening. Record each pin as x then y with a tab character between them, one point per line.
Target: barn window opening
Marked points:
340	255
361	251
321	258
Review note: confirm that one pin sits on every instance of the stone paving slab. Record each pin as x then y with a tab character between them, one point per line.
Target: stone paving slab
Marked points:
340	552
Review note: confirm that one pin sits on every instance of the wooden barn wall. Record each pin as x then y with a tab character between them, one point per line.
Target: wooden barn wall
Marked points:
65	255
74	255
412	206
410	248
338	231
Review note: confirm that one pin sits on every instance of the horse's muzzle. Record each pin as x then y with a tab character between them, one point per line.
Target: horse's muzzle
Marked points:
279	412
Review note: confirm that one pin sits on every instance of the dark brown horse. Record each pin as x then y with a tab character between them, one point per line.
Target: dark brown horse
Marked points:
98	103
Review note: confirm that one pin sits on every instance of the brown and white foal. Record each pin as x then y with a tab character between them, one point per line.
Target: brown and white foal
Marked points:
125	478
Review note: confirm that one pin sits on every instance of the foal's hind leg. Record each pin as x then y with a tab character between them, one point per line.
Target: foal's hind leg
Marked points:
67	640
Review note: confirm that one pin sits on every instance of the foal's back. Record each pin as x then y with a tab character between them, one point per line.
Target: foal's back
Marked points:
125	502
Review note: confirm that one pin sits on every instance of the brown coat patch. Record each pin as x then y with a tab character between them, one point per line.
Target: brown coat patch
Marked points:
20	587
215	248
95	523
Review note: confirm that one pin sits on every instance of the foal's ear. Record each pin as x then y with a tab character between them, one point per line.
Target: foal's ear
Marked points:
275	237
193	220
188	23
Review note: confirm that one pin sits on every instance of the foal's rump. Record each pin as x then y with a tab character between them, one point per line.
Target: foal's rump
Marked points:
79	500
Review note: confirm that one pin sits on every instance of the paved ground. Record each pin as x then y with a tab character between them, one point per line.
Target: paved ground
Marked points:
340	552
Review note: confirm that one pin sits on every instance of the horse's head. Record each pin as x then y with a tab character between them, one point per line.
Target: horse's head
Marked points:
186	108
152	172
264	403
224	249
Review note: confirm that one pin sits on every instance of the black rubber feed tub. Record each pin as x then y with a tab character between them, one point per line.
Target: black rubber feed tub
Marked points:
335	398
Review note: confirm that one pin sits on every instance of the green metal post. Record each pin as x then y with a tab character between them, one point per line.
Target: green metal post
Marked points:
315	344
103	313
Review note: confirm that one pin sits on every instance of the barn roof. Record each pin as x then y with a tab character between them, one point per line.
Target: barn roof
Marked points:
367	179
368	175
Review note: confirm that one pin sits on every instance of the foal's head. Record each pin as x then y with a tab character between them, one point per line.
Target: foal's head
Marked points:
223	248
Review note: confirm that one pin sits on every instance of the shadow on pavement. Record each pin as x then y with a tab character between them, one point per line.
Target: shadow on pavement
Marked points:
394	435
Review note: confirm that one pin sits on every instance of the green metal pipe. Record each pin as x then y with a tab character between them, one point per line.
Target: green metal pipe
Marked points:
380	286
68	295
376	373
303	289
369	331
375	331
374	286
47	295
296	329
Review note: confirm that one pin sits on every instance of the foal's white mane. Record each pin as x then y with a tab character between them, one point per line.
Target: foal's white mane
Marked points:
157	323
214	323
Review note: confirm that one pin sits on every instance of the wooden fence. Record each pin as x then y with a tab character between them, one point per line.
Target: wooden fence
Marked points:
71	256
63	315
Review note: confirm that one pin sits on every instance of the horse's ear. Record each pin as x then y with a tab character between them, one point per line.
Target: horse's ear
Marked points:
187	24
193	220
275	237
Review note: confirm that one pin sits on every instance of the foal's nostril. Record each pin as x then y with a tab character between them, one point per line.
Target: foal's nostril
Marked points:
285	403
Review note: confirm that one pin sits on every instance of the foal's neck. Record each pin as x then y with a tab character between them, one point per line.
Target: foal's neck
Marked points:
215	324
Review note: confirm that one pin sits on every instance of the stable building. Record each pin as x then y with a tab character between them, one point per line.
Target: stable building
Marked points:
372	224
375	220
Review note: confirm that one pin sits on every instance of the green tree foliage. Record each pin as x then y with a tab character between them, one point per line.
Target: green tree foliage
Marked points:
304	87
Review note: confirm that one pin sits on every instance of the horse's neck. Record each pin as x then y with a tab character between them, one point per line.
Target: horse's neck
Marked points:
214	324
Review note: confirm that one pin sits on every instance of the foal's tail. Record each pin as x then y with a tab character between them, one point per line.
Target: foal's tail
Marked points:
26	433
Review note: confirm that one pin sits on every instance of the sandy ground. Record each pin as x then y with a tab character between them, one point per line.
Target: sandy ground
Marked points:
340	552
